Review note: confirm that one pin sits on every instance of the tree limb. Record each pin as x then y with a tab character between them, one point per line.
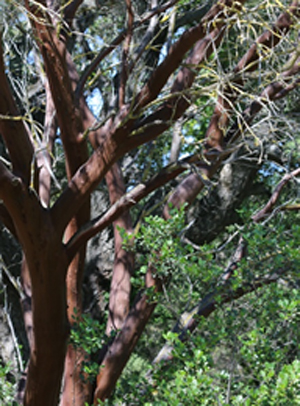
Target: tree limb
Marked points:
263	213
128	200
178	50
13	130
120	287
117	41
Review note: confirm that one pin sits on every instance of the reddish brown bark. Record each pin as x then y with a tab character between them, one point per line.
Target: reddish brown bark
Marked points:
46	148
47	263
76	390
119	296
70	123
125	341
263	213
41	230
13	130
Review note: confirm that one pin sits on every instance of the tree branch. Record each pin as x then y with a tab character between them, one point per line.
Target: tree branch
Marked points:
165	115
13	130
117	41
161	74
43	156
71	10
263	213
120	350
125	54
120	287
128	200
191	186
224	107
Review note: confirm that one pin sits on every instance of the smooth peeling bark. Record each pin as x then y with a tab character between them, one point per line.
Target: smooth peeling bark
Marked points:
51	329
120	288
119	352
76	390
47	263
26	301
44	161
44	184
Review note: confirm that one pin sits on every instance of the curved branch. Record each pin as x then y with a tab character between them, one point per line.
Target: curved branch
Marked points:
71	10
165	115
209	304
263	213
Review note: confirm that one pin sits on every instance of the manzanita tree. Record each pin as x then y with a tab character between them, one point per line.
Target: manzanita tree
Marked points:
165	70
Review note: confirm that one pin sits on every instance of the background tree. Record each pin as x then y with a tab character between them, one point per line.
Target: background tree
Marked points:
162	112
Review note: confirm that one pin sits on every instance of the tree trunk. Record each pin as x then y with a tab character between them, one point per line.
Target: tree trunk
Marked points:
48	266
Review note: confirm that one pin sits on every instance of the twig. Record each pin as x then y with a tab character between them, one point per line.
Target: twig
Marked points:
117	41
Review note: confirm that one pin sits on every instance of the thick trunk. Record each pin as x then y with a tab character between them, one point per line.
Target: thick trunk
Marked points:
47	263
51	327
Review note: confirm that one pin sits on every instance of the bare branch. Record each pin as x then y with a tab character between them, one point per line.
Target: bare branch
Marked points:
125	68
125	341
191	186
117	41
263	213
273	91
165	115
44	154
221	11
249	62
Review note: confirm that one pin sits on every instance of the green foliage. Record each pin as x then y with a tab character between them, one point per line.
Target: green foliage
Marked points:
87	337
158	244
7	387
247	352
